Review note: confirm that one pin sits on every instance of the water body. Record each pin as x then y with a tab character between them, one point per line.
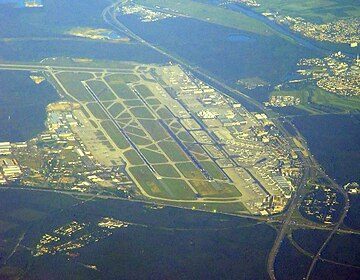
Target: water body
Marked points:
316	46
226	53
334	140
167	243
22	105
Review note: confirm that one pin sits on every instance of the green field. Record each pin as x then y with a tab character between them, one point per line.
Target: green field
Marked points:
154	157
115	134
173	151
122	90
144	91
213	170
133	157
189	170
213	14
166	170
141	112
116	109
122	78
215	189
97	111
73	85
154	129
162	188
101	90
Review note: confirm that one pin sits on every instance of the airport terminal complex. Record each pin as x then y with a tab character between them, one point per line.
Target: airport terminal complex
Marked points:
158	133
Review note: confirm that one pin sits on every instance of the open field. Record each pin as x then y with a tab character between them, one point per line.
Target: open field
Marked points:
213	14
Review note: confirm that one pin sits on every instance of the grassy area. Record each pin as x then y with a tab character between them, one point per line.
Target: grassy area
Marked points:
144	91
134	102
139	140
185	136
166	170
135	130
315	100
116	109
142	112
101	90
189	170
71	82
179	188
153	101
97	111
133	157
210	13
313	10
173	151
122	91
164	113
214	189
154	157
115	134
122	78
164	188
213	169
154	129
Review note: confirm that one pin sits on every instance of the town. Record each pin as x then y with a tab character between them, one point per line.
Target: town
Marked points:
336	73
343	31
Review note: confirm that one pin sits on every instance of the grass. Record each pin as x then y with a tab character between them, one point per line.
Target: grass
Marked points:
71	82
185	136
141	112
213	170
116	109
133	158
153	101
164	113
97	111
164	188
139	140
115	134
214	189
101	90
144	91
173	151
122	91
179	188
212	14
133	102
156	131
122	78
189	170
166	170
154	157
135	130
